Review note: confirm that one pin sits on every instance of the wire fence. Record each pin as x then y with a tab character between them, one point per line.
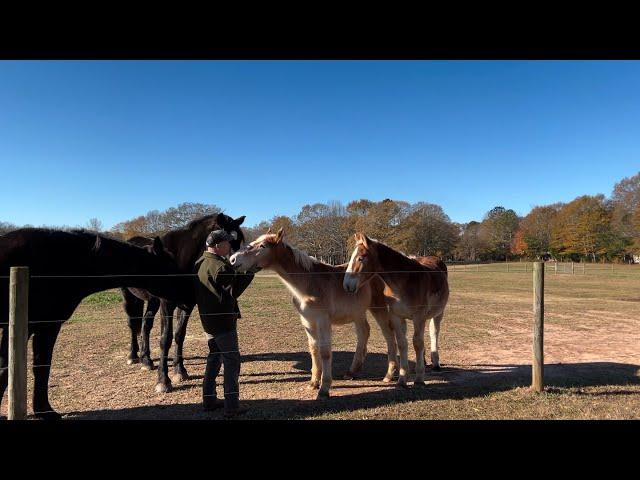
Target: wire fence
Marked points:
551	267
519	333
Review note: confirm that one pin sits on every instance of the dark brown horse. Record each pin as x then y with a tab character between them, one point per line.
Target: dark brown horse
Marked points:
65	267
187	245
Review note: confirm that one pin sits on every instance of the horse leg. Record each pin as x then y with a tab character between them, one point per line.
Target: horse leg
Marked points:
384	321
362	332
179	372
418	346
166	314
153	305
316	365
324	342
44	339
4	362
434	333
400	328
133	307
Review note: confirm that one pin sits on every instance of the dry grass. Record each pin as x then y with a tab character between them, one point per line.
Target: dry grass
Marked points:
592	356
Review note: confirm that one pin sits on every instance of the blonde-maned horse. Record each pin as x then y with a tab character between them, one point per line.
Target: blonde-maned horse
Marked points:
418	287
321	301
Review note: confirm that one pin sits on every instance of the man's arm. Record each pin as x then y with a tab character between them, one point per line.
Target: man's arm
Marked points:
241	282
234	282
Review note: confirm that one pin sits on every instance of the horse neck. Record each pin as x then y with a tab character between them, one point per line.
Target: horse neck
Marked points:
296	277
186	245
392	266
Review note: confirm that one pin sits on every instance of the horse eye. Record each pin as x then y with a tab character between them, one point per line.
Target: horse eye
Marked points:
262	245
234	234
360	259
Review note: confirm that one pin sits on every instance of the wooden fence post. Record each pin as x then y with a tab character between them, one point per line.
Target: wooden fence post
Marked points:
18	336
537	371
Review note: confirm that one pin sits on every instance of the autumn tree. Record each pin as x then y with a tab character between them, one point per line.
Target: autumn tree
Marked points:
582	228
472	245
625	201
157	222
519	246
427	230
536	229
499	227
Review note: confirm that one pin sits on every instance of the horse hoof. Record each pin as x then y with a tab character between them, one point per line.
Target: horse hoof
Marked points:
163	388
348	376
47	415
178	377
419	383
402	383
387	379
436	368
313	386
131	361
322	395
146	364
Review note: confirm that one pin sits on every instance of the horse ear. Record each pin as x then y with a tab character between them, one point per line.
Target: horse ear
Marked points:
238	221
365	240
222	220
269	231
158	247
279	235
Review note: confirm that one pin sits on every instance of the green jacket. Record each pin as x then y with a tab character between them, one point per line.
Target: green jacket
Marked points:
217	288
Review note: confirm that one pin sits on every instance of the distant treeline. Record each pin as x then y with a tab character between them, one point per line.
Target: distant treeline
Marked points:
591	228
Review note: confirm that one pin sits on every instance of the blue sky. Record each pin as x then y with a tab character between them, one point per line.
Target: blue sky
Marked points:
115	139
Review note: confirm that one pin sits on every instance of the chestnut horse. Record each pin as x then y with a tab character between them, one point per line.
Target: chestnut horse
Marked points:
418	288
321	301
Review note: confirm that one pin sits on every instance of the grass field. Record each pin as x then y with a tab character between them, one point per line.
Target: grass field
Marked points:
592	356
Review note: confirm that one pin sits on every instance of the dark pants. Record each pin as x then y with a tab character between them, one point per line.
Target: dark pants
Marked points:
223	348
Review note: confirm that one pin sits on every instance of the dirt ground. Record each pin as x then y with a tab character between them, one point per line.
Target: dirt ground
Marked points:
592	357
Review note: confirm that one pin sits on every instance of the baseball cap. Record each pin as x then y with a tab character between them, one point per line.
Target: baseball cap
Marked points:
218	236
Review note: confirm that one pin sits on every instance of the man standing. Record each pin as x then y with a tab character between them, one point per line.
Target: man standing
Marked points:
217	288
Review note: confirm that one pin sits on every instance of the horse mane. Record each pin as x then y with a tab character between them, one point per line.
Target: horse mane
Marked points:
411	257
386	249
428	261
301	258
200	220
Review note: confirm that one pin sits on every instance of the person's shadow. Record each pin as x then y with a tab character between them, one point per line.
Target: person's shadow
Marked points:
452	382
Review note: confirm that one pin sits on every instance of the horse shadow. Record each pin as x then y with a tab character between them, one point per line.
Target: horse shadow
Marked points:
456	382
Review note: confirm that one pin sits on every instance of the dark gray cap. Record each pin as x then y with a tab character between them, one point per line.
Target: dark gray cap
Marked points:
218	236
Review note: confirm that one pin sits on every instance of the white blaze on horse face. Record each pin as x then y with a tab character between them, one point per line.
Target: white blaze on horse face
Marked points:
350	282
241	261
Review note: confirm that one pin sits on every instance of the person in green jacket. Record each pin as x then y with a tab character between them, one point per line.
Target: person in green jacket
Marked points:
217	287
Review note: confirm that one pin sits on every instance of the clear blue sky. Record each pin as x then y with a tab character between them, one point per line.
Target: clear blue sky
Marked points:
116	139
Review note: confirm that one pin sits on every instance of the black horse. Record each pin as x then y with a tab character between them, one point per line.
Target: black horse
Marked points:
65	267
187	245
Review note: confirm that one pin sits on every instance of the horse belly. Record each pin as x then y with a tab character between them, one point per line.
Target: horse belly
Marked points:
141	293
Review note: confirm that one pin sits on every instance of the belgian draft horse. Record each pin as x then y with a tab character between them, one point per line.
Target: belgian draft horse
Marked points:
419	289
320	300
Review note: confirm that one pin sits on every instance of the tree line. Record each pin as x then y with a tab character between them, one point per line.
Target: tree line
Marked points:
588	228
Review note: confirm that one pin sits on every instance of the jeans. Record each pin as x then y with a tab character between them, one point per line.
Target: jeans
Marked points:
223	348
